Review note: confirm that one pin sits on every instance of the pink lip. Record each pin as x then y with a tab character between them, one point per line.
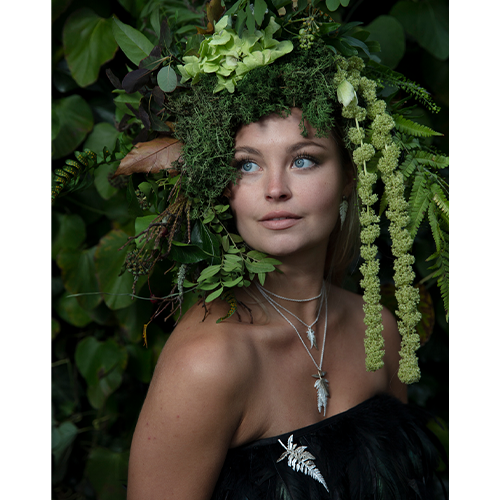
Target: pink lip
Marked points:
279	220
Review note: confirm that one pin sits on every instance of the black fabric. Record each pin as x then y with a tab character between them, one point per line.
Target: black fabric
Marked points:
380	449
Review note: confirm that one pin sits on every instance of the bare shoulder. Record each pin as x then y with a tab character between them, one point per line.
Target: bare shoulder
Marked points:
351	305
193	408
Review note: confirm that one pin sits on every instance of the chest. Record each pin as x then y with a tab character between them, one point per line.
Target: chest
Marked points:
286	384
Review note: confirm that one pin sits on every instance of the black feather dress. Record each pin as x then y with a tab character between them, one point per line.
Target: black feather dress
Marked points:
379	450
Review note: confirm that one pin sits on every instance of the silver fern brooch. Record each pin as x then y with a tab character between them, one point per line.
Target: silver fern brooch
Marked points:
301	460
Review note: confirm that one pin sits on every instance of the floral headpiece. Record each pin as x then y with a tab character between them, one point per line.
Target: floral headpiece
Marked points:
251	61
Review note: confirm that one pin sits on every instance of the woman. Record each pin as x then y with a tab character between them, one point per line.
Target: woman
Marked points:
221	386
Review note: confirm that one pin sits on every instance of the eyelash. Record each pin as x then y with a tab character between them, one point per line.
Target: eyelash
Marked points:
300	156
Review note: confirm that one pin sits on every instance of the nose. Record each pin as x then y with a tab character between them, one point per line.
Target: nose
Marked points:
277	187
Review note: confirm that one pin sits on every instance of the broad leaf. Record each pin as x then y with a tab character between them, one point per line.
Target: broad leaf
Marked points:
151	157
167	79
390	34
62	438
102	365
75	122
427	21
69	232
107	472
108	263
72	312
133	43
78	273
88	43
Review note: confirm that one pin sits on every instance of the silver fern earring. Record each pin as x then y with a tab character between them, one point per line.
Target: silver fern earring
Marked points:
343	211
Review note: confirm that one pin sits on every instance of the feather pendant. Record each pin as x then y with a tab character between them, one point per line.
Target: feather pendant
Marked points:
311	337
301	460
321	385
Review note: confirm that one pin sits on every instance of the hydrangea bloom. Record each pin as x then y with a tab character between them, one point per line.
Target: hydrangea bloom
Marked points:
231	57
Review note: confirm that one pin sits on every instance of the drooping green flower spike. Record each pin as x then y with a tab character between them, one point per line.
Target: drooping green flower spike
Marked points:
255	63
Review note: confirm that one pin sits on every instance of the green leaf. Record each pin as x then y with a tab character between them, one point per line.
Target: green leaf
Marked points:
203	238
62	438
167	79
78	273
427	21
101	181
101	365
259	267
107	472
72	312
76	121
419	202
102	135
133	43
187	254
390	34
68	232
254	254
208	272
259	9
214	295
88	43
108	263
142	223
410	127
332	5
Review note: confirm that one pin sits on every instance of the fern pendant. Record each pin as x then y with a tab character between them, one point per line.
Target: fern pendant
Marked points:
311	337
321	385
301	460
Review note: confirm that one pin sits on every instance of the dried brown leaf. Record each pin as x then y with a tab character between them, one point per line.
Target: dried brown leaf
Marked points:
151	157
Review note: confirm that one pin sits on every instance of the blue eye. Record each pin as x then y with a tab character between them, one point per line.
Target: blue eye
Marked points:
248	166
303	163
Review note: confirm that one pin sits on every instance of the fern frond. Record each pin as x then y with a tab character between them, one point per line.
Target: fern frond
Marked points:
419	202
432	159
408	166
437	233
439	198
444	283
410	127
386	76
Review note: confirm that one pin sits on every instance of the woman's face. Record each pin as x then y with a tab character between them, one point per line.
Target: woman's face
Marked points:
287	198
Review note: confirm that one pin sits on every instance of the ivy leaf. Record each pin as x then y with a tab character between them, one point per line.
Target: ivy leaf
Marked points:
151	157
75	122
133	43
88	43
108	263
78	273
332	5
102	365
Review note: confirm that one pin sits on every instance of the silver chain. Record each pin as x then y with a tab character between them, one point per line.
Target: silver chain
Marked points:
273	302
318	367
290	300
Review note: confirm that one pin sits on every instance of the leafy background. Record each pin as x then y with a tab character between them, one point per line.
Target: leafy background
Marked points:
100	368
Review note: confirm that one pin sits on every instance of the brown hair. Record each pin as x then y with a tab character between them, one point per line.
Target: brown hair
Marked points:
344	243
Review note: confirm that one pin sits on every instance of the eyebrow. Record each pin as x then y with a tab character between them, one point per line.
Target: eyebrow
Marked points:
290	149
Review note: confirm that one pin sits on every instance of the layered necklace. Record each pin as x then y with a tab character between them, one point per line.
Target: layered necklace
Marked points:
321	384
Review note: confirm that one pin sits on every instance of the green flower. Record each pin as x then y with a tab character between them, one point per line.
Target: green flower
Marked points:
231	57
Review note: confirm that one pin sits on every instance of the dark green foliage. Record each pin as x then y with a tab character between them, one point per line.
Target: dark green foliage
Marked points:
100	366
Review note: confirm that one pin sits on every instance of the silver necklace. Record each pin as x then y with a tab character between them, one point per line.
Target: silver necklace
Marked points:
310	332
321	384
